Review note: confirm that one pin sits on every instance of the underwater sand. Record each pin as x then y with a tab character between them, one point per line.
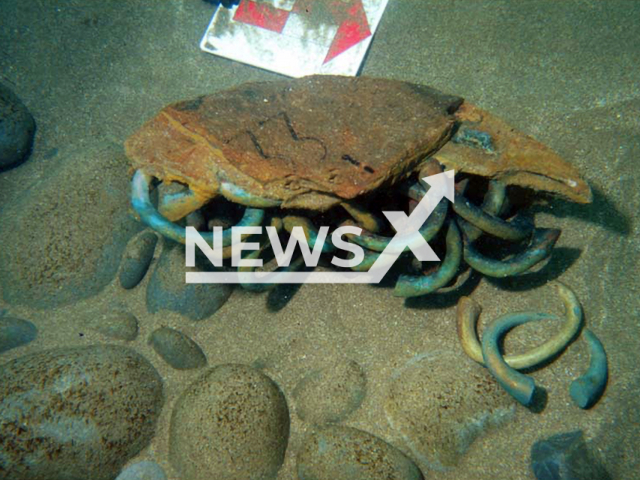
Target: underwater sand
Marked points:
567	73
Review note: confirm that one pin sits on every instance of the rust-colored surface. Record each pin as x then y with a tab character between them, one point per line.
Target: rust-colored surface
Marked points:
515	159
338	137
316	141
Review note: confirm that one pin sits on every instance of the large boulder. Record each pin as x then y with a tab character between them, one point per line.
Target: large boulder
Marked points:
338	452
231	424
76	413
440	403
62	240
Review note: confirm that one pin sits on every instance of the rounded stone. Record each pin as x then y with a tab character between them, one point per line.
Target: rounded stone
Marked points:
330	394
117	325
167	289
231	424
15	332
343	452
143	471
137	258
440	403
17	128
177	349
566	456
76	413
85	202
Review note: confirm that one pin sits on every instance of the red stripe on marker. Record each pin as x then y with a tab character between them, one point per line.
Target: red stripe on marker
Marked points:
261	15
352	30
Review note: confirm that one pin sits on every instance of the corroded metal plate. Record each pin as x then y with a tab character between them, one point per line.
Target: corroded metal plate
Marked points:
308	142
318	141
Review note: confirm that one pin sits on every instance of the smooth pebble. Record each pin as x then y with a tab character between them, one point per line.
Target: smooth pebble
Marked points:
118	325
137	258
167	289
15	332
177	349
17	129
330	394
565	456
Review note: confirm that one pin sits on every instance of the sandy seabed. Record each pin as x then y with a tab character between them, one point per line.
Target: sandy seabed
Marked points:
567	73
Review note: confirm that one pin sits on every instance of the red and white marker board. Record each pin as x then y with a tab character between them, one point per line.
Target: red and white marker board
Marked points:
296	37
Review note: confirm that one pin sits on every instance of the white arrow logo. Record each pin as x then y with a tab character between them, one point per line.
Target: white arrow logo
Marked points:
407	236
408	227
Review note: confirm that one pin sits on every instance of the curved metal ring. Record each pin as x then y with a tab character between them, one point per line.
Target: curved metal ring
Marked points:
469	311
239	195
140	185
540	247
519	386
516	229
493	202
416	285
431	227
588	388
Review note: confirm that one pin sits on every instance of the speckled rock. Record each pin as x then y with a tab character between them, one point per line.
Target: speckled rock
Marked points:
118	325
339	452
137	258
17	128
331	393
143	471
177	349
15	332
167	289
84	204
231	424
76	413
440	403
